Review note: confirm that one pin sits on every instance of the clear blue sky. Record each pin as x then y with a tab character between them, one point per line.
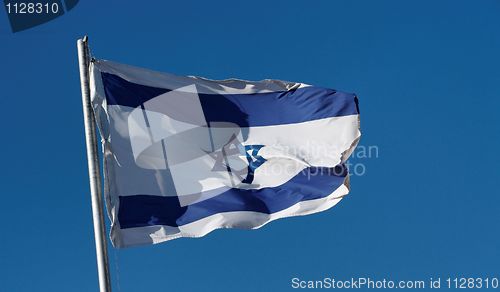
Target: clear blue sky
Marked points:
427	75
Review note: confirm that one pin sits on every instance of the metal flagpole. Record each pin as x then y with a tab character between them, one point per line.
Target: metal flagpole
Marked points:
94	169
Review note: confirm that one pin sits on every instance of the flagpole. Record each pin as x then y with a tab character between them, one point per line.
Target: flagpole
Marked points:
94	169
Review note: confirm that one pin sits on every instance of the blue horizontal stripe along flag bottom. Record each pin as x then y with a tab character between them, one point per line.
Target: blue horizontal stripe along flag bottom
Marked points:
245	110
149	210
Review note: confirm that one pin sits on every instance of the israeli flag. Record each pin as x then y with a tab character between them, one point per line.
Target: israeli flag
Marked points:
184	156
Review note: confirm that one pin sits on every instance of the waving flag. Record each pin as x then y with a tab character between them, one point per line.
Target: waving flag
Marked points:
184	156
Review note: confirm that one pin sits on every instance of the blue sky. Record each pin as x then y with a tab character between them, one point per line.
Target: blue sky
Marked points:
426	73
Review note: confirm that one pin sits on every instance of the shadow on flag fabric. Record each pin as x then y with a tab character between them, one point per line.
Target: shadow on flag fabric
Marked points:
184	156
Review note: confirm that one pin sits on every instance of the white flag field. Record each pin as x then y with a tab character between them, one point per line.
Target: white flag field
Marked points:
184	156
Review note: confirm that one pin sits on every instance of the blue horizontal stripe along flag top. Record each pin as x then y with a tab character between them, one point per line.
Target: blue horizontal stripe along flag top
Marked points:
184	156
263	109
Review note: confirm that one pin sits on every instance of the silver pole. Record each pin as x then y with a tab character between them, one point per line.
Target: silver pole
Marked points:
94	169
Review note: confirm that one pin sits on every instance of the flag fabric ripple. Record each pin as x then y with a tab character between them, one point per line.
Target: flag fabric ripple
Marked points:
184	156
